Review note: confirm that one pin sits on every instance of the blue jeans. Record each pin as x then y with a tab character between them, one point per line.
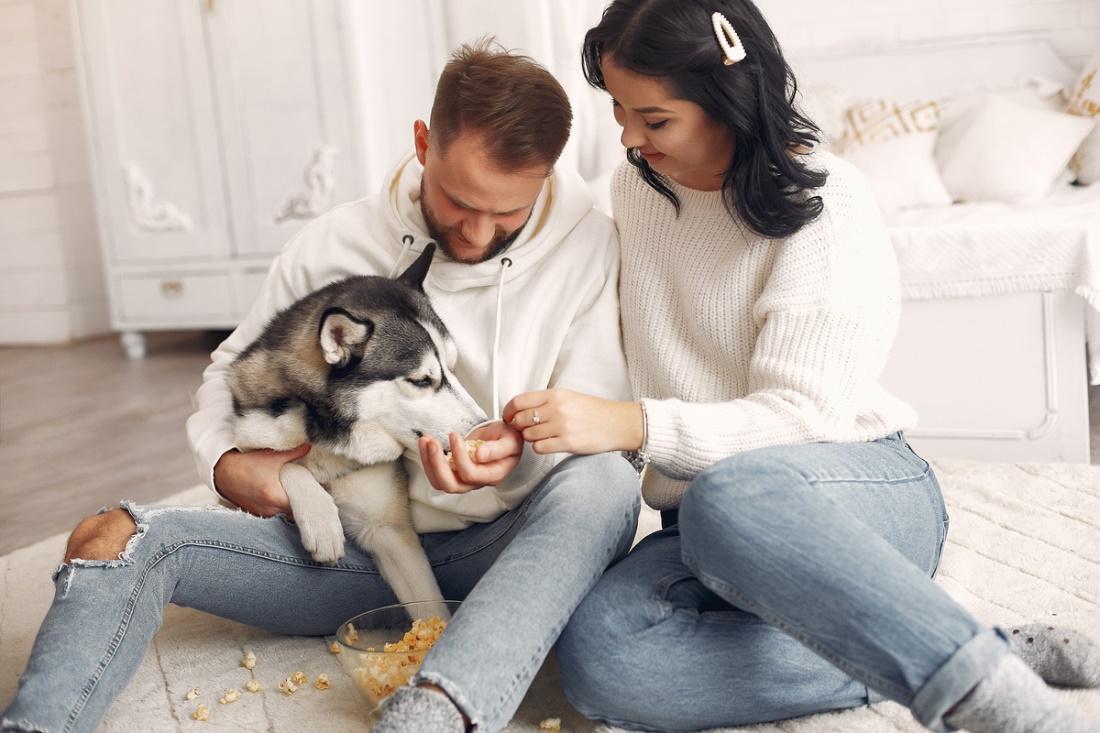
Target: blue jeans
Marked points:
520	578
797	580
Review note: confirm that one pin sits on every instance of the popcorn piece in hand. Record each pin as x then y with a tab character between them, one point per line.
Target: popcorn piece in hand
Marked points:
550	724
230	696
191	694
249	660
322	682
252	686
201	713
299	678
288	687
334	648
471	451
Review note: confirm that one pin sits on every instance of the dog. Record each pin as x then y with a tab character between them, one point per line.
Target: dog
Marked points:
361	369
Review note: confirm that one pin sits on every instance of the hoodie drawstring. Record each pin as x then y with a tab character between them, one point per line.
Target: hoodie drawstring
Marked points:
504	265
408	242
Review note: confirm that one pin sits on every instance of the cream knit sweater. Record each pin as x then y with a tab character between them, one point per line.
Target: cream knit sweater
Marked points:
737	342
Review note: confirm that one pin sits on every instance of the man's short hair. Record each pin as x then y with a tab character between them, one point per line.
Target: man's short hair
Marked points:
515	104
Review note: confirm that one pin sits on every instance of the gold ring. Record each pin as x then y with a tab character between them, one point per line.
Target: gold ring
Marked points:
536	419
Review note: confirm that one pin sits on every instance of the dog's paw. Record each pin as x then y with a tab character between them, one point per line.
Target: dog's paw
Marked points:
322	536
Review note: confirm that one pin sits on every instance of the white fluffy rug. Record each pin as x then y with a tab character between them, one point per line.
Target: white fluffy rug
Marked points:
1024	544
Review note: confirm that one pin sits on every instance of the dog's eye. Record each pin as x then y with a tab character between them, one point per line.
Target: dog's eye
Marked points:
422	382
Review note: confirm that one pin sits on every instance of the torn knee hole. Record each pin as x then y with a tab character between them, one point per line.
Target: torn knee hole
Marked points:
101	537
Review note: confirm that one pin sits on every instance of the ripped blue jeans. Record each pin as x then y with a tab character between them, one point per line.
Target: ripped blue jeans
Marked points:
520	578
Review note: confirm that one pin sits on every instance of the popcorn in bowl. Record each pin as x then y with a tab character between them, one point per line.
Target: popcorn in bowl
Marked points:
382	649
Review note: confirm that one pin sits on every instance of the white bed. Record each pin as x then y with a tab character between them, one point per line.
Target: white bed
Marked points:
991	346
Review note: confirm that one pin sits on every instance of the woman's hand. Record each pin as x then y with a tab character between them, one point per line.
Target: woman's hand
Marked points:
496	458
563	421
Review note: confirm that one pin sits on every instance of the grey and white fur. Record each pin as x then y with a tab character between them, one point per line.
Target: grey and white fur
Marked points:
360	369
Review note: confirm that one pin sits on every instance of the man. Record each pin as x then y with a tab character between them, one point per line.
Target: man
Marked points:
533	532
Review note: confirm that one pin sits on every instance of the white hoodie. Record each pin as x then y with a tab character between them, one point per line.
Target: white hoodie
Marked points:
559	321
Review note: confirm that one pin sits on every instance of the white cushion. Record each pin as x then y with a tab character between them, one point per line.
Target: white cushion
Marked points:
1004	151
1084	101
902	171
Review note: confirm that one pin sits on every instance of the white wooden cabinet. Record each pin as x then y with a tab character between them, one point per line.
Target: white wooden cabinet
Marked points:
217	128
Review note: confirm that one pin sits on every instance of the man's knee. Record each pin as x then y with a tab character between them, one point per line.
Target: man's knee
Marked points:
602	479
101	536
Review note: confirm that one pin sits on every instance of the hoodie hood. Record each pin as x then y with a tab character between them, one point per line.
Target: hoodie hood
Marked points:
560	206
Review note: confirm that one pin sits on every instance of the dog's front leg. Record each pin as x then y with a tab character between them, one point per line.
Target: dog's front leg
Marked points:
374	507
315	514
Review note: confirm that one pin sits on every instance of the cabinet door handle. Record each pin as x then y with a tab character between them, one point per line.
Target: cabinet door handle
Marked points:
171	288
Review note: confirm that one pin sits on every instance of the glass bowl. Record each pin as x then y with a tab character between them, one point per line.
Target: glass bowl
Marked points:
383	648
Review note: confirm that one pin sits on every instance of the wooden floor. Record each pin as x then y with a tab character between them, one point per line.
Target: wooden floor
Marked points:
82	426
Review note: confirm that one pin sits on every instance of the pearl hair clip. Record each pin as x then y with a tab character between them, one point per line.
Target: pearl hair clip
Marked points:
728	40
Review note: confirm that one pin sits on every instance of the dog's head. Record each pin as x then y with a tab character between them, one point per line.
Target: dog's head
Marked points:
394	363
364	365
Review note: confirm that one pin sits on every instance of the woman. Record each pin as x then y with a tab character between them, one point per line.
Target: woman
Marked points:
801	532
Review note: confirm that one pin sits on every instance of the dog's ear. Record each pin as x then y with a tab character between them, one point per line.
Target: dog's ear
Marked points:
414	276
342	336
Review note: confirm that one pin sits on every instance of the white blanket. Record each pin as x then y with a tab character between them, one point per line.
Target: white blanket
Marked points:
978	249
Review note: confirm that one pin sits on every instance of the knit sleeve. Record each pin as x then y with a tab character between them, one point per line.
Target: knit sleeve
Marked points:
826	319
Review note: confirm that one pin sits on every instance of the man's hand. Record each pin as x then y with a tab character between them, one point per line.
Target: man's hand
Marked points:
251	480
495	459
563	421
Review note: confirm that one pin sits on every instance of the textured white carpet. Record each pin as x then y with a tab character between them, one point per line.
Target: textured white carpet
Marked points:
1024	544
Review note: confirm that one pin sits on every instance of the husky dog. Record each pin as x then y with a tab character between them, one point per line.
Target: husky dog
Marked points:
361	369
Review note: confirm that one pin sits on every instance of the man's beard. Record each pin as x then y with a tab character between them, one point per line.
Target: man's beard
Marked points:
441	235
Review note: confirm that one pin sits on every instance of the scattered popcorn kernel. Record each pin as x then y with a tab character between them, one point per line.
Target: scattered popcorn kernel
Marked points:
380	673
353	634
249	660
252	686
471	451
322	682
191	694
550	724
334	648
287	687
229	696
201	713
299	678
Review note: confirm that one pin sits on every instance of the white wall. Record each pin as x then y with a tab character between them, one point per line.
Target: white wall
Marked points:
418	31
51	277
803	27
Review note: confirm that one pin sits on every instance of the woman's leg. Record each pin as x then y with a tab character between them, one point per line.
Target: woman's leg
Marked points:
222	561
832	545
835	544
652	648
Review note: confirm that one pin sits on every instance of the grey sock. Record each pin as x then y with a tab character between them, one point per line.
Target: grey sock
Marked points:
1060	655
1013	699
418	710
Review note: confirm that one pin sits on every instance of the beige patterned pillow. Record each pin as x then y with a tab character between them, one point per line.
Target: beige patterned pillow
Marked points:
1084	101
881	120
892	143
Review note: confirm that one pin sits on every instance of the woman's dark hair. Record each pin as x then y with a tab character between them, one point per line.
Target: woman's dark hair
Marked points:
754	99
